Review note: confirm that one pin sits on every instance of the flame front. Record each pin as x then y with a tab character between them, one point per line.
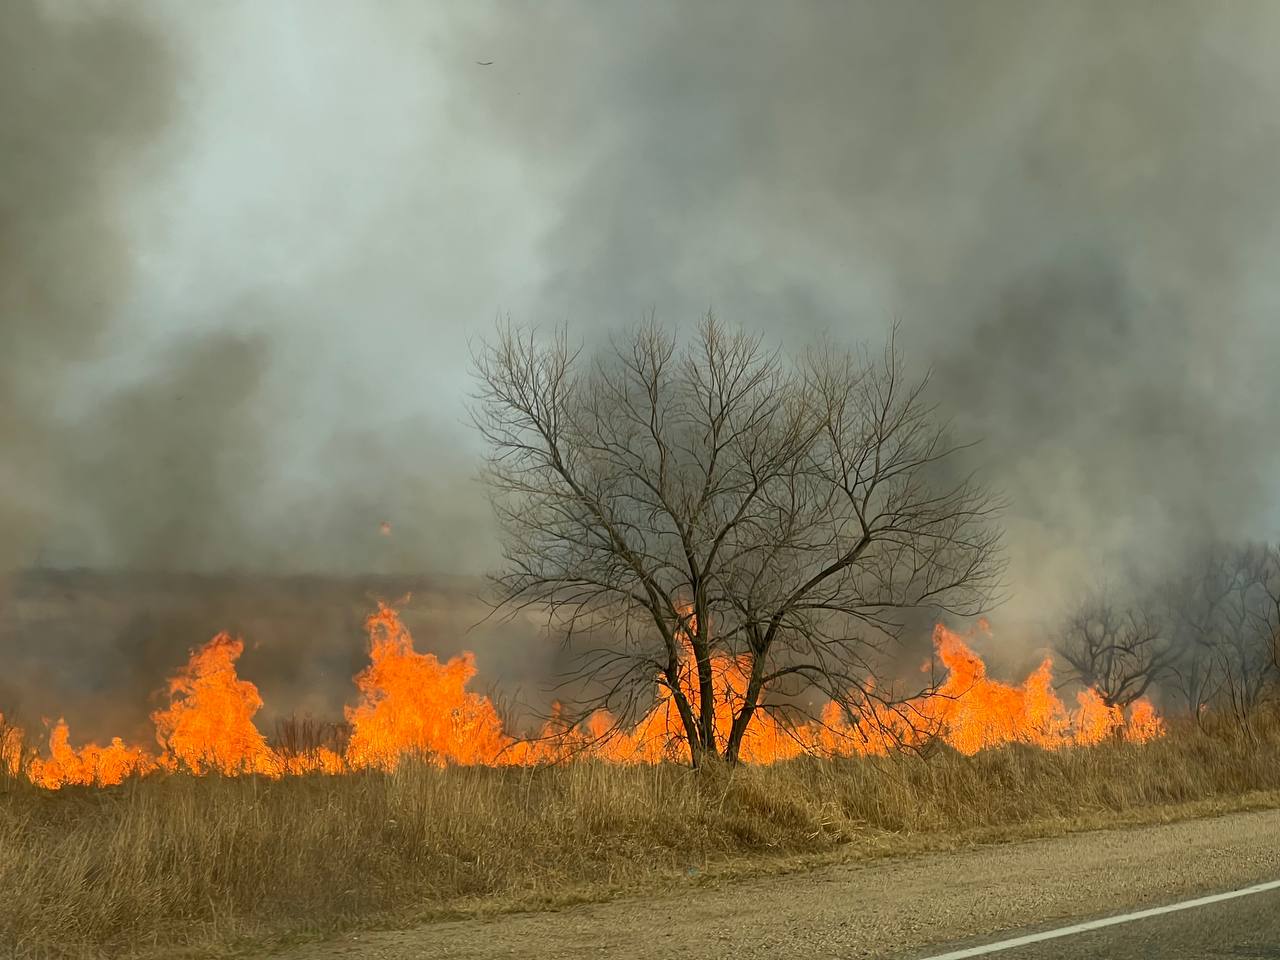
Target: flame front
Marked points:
412	704
90	765
208	726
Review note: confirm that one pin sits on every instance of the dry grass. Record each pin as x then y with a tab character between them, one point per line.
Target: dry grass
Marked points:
154	866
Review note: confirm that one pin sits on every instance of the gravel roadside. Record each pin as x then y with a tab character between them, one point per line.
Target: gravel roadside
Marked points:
884	908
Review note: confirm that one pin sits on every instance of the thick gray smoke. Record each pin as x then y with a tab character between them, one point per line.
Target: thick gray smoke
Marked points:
243	247
1067	206
75	100
153	415
148	469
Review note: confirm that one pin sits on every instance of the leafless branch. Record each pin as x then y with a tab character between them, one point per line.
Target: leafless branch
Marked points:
667	506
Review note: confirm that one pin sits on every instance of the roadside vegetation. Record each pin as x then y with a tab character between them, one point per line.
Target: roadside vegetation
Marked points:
167	866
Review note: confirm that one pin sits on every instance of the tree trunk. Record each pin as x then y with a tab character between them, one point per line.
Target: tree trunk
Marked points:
706	692
692	734
733	748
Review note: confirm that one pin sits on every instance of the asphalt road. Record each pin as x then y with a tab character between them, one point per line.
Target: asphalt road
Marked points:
908	907
1247	928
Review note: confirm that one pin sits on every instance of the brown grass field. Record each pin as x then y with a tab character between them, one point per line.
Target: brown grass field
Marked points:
178	866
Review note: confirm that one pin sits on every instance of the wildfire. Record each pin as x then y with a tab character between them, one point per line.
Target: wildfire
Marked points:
208	726
10	748
412	704
90	765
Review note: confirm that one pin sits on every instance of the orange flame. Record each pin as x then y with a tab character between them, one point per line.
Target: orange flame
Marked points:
208	727
975	712
10	748
91	765
412	704
971	712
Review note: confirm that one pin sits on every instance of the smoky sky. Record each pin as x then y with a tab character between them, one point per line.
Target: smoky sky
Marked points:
245	247
75	98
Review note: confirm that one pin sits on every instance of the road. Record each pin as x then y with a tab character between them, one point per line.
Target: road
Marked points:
1245	926
912	908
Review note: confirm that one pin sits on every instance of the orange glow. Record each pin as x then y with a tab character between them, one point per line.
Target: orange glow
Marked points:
412	704
90	765
971	712
208	727
1144	723
10	748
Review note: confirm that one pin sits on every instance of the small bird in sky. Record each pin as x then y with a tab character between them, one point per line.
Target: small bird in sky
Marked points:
485	63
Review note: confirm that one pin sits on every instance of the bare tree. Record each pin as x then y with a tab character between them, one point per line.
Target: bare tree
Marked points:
669	507
1120	652
1194	676
1229	617
1247	633
1269	606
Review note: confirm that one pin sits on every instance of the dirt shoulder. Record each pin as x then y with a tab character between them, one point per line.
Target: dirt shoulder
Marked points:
882	908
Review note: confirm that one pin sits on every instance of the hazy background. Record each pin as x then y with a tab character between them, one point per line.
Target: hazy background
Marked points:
243	247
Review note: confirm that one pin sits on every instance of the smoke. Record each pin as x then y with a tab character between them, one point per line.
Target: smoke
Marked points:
243	250
75	99
167	462
1067	206
142	468
96	647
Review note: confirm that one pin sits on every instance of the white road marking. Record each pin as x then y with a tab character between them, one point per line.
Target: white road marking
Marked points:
1105	922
